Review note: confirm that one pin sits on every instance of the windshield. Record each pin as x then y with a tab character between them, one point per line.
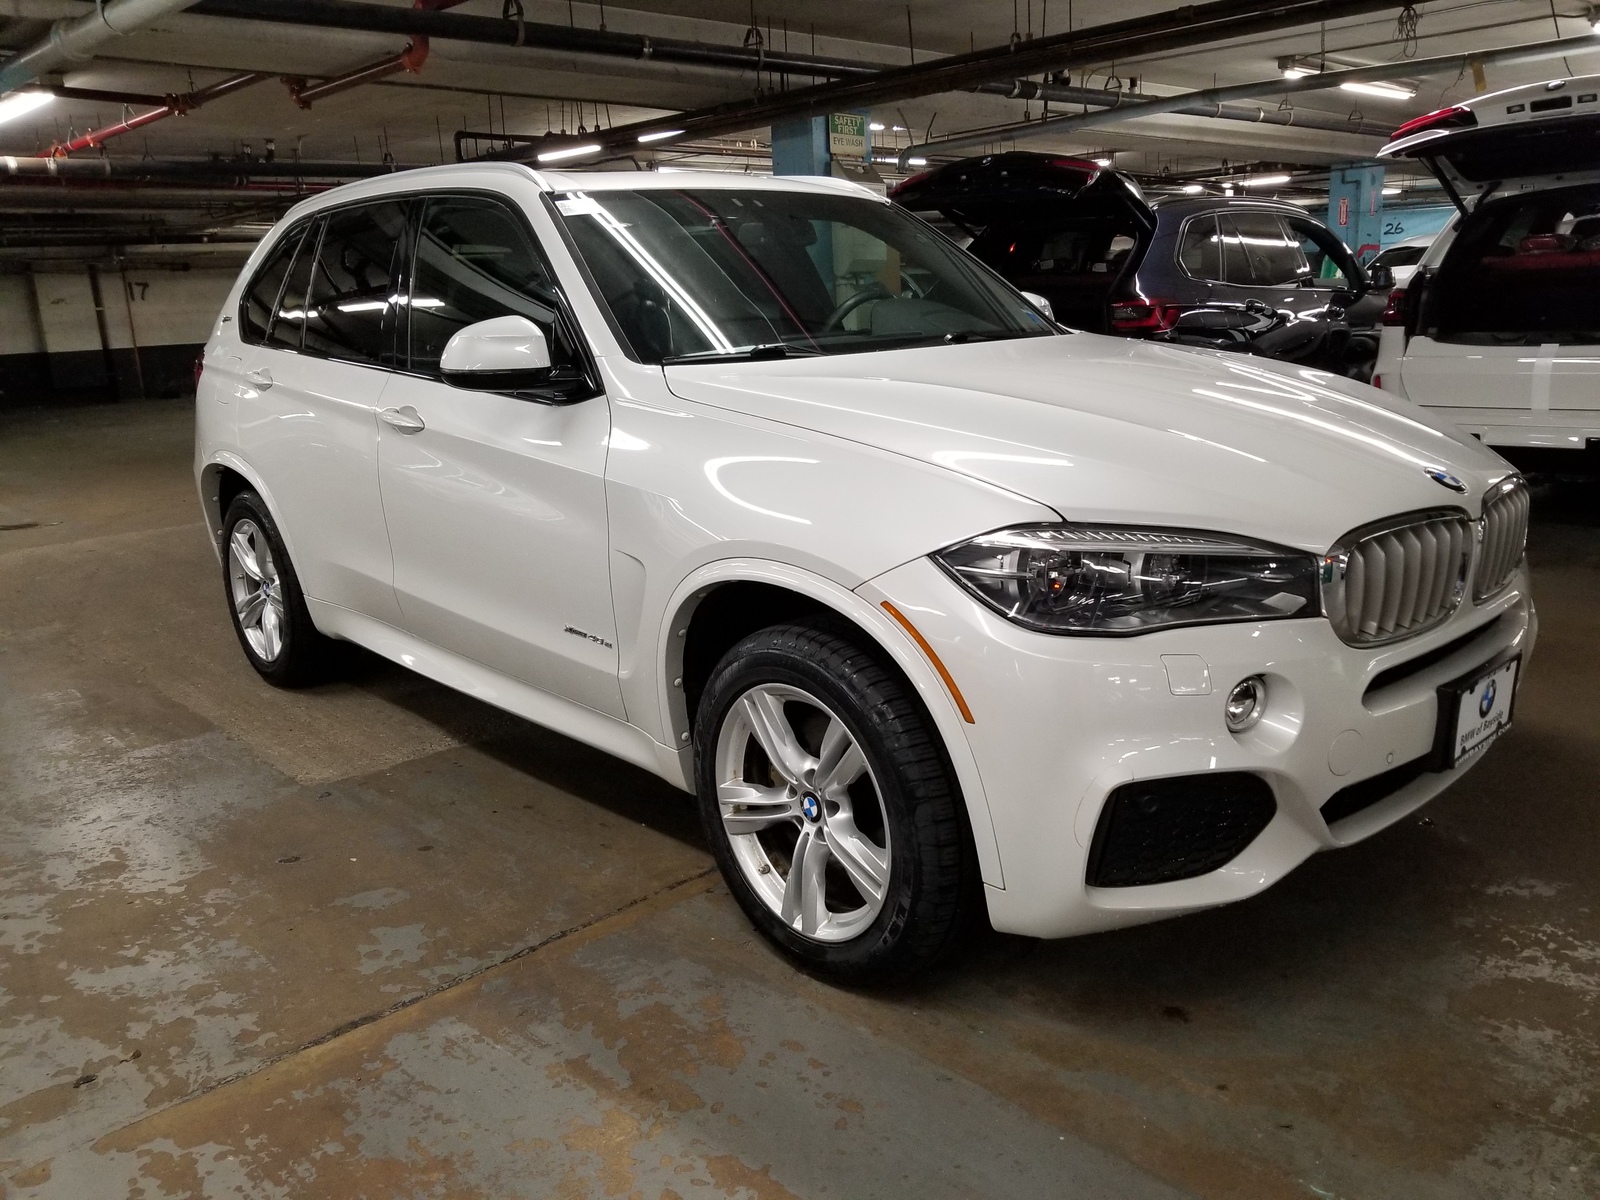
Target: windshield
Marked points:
719	271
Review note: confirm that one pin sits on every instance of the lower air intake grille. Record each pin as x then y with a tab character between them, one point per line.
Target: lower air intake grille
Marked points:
1397	578
1159	830
1358	797
1505	535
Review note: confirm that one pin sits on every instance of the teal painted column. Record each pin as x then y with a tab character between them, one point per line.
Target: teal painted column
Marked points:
800	147
1355	206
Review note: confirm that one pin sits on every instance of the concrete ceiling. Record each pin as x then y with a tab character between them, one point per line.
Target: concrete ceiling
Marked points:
413	117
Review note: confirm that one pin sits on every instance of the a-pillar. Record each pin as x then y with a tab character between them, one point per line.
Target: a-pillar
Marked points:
1355	206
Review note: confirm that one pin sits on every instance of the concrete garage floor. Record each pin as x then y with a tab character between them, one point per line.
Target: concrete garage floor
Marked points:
375	939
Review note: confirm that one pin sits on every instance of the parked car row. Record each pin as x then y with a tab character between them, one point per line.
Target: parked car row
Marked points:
1221	272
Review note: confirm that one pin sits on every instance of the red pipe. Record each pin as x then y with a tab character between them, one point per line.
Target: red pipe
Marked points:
176	106
410	59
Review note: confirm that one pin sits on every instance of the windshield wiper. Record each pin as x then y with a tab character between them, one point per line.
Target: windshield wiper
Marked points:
768	350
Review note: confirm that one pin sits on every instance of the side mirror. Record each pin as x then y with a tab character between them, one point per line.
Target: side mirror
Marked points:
1381	278
1040	303
503	354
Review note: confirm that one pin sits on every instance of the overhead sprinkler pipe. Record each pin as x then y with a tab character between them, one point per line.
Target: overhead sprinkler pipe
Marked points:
175	106
1211	101
410	60
75	41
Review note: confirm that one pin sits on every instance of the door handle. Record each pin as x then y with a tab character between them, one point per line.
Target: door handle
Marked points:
261	377
406	420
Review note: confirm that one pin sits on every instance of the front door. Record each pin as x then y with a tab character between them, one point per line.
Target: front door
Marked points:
496	503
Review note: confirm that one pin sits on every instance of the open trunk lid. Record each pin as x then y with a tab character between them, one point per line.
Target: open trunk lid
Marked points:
1066	228
1528	138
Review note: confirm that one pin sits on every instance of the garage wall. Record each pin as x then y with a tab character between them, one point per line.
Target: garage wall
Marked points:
104	332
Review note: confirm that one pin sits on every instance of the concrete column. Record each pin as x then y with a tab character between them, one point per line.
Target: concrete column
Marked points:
1355	206
800	147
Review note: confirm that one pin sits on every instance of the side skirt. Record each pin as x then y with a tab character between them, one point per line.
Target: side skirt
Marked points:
582	724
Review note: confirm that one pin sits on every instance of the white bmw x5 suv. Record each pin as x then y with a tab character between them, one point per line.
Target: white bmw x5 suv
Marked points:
764	486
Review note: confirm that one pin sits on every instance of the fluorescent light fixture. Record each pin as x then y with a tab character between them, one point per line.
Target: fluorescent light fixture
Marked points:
916	162
1298	72
876	127
1388	91
570	152
1391	191
20	104
1192	189
1265	180
659	135
1103	161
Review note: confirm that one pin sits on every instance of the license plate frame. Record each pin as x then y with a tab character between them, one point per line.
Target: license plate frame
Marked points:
1465	733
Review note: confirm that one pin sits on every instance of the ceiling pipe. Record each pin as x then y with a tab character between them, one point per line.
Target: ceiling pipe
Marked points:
75	41
1117	41
1207	102
1101	98
371	18
362	17
175	106
410	60
34	169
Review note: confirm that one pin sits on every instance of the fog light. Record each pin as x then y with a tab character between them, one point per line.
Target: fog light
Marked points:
1246	703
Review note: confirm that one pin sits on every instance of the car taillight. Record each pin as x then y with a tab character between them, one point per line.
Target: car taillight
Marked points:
199	369
1457	116
1394	312
1377	381
1143	316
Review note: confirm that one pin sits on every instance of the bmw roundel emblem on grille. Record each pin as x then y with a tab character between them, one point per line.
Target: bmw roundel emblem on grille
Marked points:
1445	479
810	807
1486	704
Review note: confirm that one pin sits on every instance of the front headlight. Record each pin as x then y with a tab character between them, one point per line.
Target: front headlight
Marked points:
1110	580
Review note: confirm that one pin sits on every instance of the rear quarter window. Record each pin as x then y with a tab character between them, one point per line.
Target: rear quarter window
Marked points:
261	296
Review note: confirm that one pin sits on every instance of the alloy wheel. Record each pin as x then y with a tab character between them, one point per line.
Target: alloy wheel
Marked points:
256	590
802	812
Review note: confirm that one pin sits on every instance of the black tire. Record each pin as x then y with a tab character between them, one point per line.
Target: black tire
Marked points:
933	893
299	655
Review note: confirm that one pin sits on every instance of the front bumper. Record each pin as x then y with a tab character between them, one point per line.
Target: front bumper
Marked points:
1059	722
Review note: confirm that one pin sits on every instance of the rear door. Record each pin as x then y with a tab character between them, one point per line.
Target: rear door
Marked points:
308	413
1262	259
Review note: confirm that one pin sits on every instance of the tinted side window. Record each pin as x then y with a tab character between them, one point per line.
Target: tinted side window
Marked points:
1200	252
474	260
255	314
1259	251
352	285
1320	265
289	322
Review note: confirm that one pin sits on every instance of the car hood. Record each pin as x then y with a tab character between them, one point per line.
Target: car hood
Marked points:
1116	430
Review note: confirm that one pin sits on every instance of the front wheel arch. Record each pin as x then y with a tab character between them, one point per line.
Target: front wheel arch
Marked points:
805	593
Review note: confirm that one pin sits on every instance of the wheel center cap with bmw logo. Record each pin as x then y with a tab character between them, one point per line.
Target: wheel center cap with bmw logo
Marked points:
811	807
1487	702
1445	479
